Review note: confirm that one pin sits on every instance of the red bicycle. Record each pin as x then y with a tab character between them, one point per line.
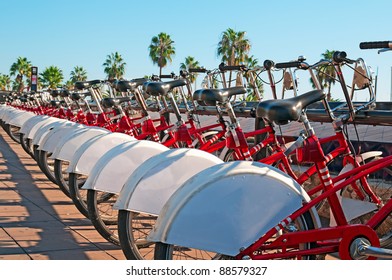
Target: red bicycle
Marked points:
359	200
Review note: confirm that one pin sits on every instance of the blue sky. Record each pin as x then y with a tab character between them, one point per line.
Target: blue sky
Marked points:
83	32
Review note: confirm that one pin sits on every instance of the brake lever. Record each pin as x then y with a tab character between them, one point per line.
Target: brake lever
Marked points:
383	50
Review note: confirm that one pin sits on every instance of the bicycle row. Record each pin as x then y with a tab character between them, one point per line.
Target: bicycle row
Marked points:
200	192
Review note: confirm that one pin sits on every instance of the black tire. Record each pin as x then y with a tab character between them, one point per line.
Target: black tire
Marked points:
133	229
36	153
26	145
13	132
78	196
229	156
46	164
62	177
102	215
165	251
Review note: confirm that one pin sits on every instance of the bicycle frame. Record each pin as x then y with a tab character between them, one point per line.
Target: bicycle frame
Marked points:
328	239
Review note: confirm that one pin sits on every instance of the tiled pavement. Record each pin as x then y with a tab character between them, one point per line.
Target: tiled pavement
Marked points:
37	221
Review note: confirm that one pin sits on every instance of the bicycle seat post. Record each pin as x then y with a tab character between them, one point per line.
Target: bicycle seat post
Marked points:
176	110
230	112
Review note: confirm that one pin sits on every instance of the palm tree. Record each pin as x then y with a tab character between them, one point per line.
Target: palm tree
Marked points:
233	48
69	84
161	50
252	62
51	77
78	74
5	82
21	68
114	66
326	74
190	62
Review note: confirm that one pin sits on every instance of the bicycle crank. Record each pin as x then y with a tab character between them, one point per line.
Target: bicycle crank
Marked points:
361	248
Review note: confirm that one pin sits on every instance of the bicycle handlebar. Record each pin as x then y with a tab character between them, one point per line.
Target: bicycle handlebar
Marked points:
268	64
197	70
340	57
291	64
223	67
166	76
376	45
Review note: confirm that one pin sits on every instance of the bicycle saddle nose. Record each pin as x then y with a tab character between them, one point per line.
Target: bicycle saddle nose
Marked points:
211	96
284	110
130	85
80	85
162	88
109	102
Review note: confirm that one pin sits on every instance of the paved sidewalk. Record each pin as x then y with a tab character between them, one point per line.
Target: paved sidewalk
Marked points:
37	221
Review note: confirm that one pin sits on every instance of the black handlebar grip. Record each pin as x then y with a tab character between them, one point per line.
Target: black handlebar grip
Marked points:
268	64
291	64
197	70
224	67
339	56
166	76
375	45
184	73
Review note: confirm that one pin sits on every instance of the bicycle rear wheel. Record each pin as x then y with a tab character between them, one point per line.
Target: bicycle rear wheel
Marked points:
62	177
133	229
102	215
13	132
77	194
46	164
26	144
173	252
380	183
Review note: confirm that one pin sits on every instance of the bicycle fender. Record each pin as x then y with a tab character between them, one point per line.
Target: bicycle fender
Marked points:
367	155
18	118
43	130
9	113
153	182
223	153
67	145
228	207
30	125
92	150
51	139
4	110
113	169
21	119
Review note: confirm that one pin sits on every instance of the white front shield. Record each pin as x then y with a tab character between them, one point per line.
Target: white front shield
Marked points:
60	128
227	207
40	129
113	169
93	149
66	147
154	181
30	123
